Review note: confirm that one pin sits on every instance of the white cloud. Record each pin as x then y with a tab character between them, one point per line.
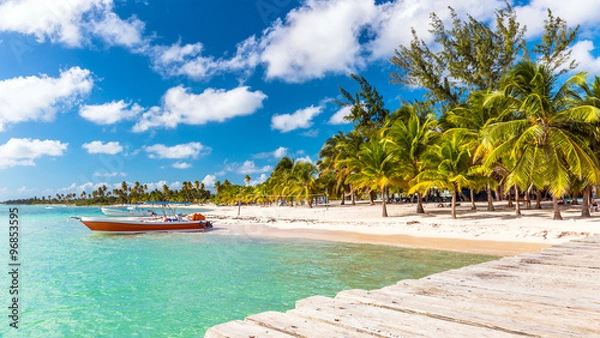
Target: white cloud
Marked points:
35	98
277	153
304	159
535	12
97	147
392	25
301	118
87	187
181	165
338	117
110	113
70	22
261	179
116	31
175	185
311	133
250	168
156	185
23	151
59	21
318	38
280	152
171	60
213	105
180	151
582	52
111	174
187	60
209	181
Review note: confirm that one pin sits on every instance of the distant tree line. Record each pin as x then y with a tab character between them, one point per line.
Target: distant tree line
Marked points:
193	192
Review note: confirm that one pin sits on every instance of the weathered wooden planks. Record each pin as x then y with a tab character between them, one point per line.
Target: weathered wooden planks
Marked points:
553	293
238	328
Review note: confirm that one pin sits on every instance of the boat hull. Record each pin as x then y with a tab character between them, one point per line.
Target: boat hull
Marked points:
125	226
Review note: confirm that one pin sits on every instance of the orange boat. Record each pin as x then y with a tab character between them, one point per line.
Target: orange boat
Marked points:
131	225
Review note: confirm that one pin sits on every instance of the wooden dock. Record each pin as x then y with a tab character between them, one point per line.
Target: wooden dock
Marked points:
555	293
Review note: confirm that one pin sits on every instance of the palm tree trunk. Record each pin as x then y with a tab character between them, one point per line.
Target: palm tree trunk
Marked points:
387	193
372	199
556	208
538	199
383	199
517	206
352	195
490	204
453	212
585	203
473	206
574	200
343	196
420	209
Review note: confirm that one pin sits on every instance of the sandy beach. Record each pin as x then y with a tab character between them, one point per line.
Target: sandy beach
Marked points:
498	232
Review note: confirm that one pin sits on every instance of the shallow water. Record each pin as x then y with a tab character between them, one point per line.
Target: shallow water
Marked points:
76	283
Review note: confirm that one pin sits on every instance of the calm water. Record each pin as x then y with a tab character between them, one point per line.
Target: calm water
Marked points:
73	283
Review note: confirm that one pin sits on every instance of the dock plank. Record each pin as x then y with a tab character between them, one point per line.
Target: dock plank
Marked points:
244	329
299	326
504	318
384	322
550	294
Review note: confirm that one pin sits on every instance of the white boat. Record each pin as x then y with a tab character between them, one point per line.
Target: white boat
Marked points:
129	212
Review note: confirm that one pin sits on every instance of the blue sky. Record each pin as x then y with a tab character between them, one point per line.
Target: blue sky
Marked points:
97	92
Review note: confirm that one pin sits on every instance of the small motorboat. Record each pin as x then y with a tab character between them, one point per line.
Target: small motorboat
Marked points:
129	212
132	225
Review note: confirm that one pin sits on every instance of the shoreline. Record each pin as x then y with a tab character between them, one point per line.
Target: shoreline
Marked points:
483	247
499	232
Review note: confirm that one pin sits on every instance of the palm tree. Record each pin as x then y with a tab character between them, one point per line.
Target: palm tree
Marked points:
332	155
280	177
347	148
197	190
471	118
377	168
303	181
535	132
590	132
166	192
448	166
327	160
410	139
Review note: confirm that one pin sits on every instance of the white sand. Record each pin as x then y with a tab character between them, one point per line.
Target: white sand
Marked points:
498	232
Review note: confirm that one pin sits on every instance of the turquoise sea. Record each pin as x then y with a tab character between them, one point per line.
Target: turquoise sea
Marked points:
73	283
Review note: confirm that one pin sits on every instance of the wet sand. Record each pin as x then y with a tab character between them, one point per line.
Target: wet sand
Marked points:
487	247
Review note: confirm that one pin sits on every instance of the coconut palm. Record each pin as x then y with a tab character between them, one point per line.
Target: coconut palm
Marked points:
377	168
303	181
334	154
471	118
448	166
326	163
590	104
410	138
535	132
